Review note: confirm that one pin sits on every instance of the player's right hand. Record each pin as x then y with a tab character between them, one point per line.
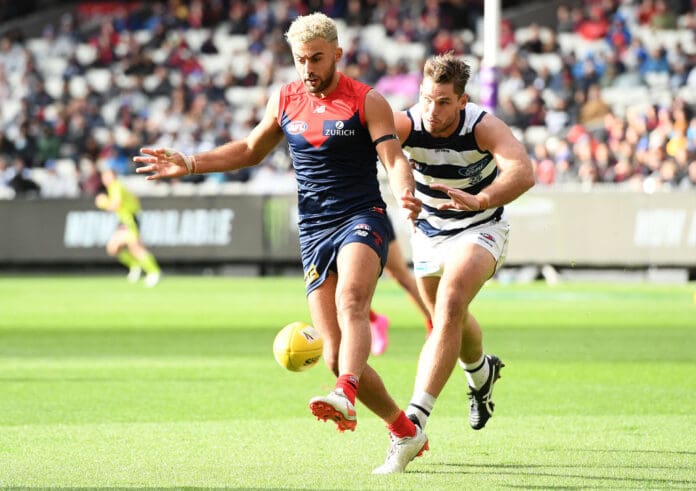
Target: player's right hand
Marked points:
410	207
160	162
459	200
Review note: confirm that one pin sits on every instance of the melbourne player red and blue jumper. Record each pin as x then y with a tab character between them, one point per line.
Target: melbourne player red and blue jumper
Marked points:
335	164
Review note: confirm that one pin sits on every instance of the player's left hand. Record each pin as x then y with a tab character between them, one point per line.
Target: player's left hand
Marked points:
459	200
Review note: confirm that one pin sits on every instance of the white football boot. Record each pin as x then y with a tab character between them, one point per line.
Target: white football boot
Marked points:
402	451
335	407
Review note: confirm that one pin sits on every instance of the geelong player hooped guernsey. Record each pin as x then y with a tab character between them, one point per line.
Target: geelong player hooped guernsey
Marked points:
331	150
455	161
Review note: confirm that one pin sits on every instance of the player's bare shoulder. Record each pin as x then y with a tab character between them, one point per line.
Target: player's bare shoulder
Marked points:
273	104
491	131
403	125
378	114
376	105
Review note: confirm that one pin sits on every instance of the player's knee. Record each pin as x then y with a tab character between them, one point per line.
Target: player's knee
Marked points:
453	318
351	305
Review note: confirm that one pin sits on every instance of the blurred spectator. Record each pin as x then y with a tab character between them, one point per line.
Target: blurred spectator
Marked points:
18	178
13	58
25	145
564	21
655	62
237	18
646	9
593	111
551	44
544	167
139	62
507	34
248	78
622	172
105	43
533	43
605	162
90	178
557	118
183	59
688	182
154	89
195	14
595	25
663	17
619	36
208	47
508	112
400	82
442	43
161	83
6	145
586	72
5	175
614	68
47	144
534	113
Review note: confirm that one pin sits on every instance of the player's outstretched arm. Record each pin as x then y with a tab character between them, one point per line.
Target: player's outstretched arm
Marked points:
516	174
380	122
167	162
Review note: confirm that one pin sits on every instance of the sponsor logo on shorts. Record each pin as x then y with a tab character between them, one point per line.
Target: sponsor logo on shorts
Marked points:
486	238
425	268
362	230
311	274
378	238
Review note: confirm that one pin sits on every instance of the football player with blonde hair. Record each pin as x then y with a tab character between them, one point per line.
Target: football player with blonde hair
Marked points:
336	127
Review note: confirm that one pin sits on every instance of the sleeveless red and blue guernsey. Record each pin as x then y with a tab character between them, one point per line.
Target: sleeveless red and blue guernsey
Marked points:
332	152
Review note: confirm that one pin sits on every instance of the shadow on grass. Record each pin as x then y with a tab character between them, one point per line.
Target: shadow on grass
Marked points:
661	452
178	488
531	471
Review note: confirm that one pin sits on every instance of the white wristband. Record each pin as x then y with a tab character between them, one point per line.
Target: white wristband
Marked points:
187	158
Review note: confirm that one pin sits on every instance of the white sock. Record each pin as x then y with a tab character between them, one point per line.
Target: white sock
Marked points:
476	372
420	407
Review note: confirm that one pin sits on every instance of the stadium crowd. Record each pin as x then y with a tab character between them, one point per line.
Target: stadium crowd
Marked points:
606	96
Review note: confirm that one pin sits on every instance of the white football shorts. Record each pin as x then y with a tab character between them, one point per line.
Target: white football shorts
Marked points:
431	253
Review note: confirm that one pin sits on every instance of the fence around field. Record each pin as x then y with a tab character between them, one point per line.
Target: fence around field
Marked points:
583	229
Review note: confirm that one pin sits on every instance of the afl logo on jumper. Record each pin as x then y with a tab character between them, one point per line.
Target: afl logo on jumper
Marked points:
337	128
297	127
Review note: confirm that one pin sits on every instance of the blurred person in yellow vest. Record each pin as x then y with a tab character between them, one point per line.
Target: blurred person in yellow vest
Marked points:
125	243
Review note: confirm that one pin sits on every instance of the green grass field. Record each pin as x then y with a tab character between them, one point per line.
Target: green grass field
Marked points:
109	385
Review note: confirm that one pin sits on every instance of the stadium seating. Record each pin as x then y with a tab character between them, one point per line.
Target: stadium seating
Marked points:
111	91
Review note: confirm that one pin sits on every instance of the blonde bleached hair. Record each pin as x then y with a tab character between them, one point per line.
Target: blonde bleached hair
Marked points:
310	27
448	69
